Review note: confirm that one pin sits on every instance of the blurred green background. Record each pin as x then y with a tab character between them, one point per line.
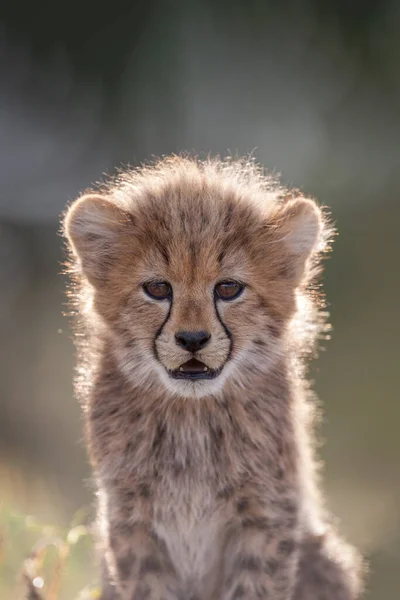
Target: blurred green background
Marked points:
312	89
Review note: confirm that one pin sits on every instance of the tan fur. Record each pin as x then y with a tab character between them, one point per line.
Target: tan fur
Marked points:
206	488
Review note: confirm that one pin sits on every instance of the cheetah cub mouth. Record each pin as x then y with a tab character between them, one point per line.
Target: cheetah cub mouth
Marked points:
194	369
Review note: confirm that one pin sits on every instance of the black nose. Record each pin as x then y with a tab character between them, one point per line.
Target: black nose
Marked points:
192	341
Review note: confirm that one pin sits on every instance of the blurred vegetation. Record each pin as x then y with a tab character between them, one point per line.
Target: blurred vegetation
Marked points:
55	560
312	88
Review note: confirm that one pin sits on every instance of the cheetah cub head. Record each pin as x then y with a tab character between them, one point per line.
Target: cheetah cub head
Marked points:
193	271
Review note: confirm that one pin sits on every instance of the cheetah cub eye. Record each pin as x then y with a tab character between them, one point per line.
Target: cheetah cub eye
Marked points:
158	290
228	290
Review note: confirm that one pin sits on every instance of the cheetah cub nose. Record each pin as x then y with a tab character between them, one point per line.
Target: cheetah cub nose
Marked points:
192	341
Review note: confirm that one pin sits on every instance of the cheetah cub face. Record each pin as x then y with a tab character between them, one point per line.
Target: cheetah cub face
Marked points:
193	285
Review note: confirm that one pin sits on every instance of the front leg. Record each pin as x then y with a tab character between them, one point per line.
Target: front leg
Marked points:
261	556
138	564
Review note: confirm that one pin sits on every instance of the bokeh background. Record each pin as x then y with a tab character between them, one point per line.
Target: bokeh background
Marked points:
312	89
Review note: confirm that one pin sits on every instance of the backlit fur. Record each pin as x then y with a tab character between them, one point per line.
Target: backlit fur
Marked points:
207	488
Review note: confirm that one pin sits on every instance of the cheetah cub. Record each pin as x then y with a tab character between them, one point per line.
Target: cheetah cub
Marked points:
192	282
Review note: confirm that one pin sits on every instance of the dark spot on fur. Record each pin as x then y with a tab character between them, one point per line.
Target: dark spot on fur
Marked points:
274	329
226	492
129	448
217	436
271	566
248	563
164	252
286	547
158	217
286	271
229	580
242	504
252	410
178	469
192	251
135	415
238	592
267	308
98	413
160	433
125	565
261	523
130	217
259	342
145	490
92	237
155	538
114	542
230	206
150	564
289	506
221	256
204	216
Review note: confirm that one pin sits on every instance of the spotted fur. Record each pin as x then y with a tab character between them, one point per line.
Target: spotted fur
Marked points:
207	488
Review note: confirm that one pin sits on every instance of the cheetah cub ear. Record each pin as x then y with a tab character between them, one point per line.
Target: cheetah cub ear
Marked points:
301	227
93	226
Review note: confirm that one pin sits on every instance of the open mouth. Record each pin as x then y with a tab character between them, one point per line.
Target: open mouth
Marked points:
194	369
